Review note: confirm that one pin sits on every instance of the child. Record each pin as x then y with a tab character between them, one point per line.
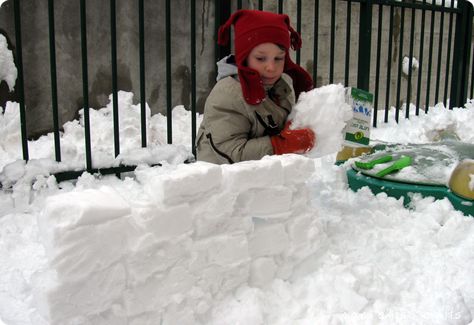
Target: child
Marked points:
246	111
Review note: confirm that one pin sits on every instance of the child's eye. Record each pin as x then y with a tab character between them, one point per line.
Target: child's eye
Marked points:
261	59
279	59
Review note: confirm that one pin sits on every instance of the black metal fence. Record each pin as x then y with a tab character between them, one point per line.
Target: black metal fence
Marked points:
371	43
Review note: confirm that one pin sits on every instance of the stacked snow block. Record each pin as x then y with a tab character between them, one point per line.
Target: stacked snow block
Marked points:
199	232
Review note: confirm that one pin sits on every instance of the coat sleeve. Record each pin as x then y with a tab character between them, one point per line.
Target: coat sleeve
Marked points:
228	128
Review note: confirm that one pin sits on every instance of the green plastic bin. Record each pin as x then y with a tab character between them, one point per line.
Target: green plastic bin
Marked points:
395	189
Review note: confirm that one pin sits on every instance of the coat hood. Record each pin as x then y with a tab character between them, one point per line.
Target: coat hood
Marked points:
226	67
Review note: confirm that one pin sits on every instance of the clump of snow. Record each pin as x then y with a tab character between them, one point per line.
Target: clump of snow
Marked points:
8	70
325	111
10	136
406	65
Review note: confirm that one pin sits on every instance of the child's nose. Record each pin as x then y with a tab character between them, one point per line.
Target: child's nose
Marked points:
270	66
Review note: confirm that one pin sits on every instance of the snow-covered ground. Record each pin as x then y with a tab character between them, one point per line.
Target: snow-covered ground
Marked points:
368	260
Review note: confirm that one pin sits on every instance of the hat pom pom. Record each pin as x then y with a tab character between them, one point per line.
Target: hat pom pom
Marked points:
295	40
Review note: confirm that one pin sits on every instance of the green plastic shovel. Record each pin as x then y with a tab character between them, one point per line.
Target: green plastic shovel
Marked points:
372	163
401	163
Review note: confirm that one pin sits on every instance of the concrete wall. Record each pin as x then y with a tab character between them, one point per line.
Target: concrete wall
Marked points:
68	52
324	36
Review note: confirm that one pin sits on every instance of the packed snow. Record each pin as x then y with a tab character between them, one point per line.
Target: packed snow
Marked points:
327	121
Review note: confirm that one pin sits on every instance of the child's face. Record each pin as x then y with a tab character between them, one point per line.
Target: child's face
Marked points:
269	60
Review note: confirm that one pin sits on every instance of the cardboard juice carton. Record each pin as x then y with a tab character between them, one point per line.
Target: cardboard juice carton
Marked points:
357	131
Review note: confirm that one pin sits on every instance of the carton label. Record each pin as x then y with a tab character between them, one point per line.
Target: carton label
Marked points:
357	130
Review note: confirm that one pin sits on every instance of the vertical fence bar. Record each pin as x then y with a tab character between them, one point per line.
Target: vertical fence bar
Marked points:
389	65
448	59
222	13
420	66
410	63
239	4
315	41
400	59
377	66
365	36
430	59
20	80
462	54
169	117
260	4
193	76
298	28
85	86
113	46
348	42
141	28
280	6
54	84
333	36
472	74
440	53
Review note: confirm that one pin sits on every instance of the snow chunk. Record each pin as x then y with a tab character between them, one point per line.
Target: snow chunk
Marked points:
325	111
90	207
406	65
8	70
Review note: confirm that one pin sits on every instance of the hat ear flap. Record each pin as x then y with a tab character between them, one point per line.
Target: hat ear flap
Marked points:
302	81
223	34
252	86
295	38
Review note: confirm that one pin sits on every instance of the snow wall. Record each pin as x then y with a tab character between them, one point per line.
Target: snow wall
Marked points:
200	232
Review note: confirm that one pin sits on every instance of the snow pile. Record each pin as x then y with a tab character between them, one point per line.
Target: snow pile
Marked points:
42	157
437	124
378	264
274	241
8	70
325	111
196	234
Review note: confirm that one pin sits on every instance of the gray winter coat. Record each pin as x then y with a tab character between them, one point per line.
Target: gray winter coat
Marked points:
232	130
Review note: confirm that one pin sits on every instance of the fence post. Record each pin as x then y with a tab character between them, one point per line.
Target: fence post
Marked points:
222	13
20	85
365	38
462	54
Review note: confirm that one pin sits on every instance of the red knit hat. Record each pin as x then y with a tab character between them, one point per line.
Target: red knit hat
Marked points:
254	27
